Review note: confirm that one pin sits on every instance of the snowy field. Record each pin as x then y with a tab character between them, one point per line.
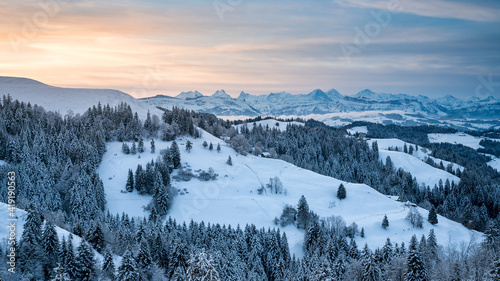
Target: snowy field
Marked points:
359	129
233	198
457	138
424	173
415	163
466	140
271	123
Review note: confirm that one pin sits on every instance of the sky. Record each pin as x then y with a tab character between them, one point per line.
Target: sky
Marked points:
150	47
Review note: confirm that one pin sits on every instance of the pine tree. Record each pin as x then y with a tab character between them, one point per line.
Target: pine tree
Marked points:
303	215
130	181
108	266
432	246
362	233
50	243
385	222
140	146
371	272
30	260
85	263
218	148
189	146
176	155
416	270
201	268
211	147
60	274
205	144
432	217
144	260
229	161
153	147
128	269
341	192
133	149
125	148
96	238
70	259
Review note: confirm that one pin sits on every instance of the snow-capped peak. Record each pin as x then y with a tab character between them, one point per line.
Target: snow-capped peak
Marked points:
189	95
221	94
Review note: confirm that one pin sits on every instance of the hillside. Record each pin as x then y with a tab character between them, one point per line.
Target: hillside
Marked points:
233	198
66	99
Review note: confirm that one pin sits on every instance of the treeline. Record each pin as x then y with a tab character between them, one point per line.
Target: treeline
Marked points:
153	250
414	134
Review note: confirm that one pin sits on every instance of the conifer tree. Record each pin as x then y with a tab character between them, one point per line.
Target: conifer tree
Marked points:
153	147
385	222
60	274
70	259
108	266
128	269
133	149
303	215
205	144
371	272
140	146
96	238
125	148
85	263
218	148
50	244
130	181
211	147
432	217
189	146
31	252
229	161
416	270
176	155
341	192
201	268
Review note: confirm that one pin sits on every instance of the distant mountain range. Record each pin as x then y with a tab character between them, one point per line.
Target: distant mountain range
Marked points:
330	107
320	102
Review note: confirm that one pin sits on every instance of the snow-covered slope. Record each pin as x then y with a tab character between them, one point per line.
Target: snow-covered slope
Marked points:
271	123
21	219
66	99
457	138
415	163
424	173
233	198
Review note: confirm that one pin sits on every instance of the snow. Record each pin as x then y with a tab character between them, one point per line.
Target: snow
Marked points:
233	198
66	99
422	153
424	173
495	163
457	138
359	129
271	123
2	162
